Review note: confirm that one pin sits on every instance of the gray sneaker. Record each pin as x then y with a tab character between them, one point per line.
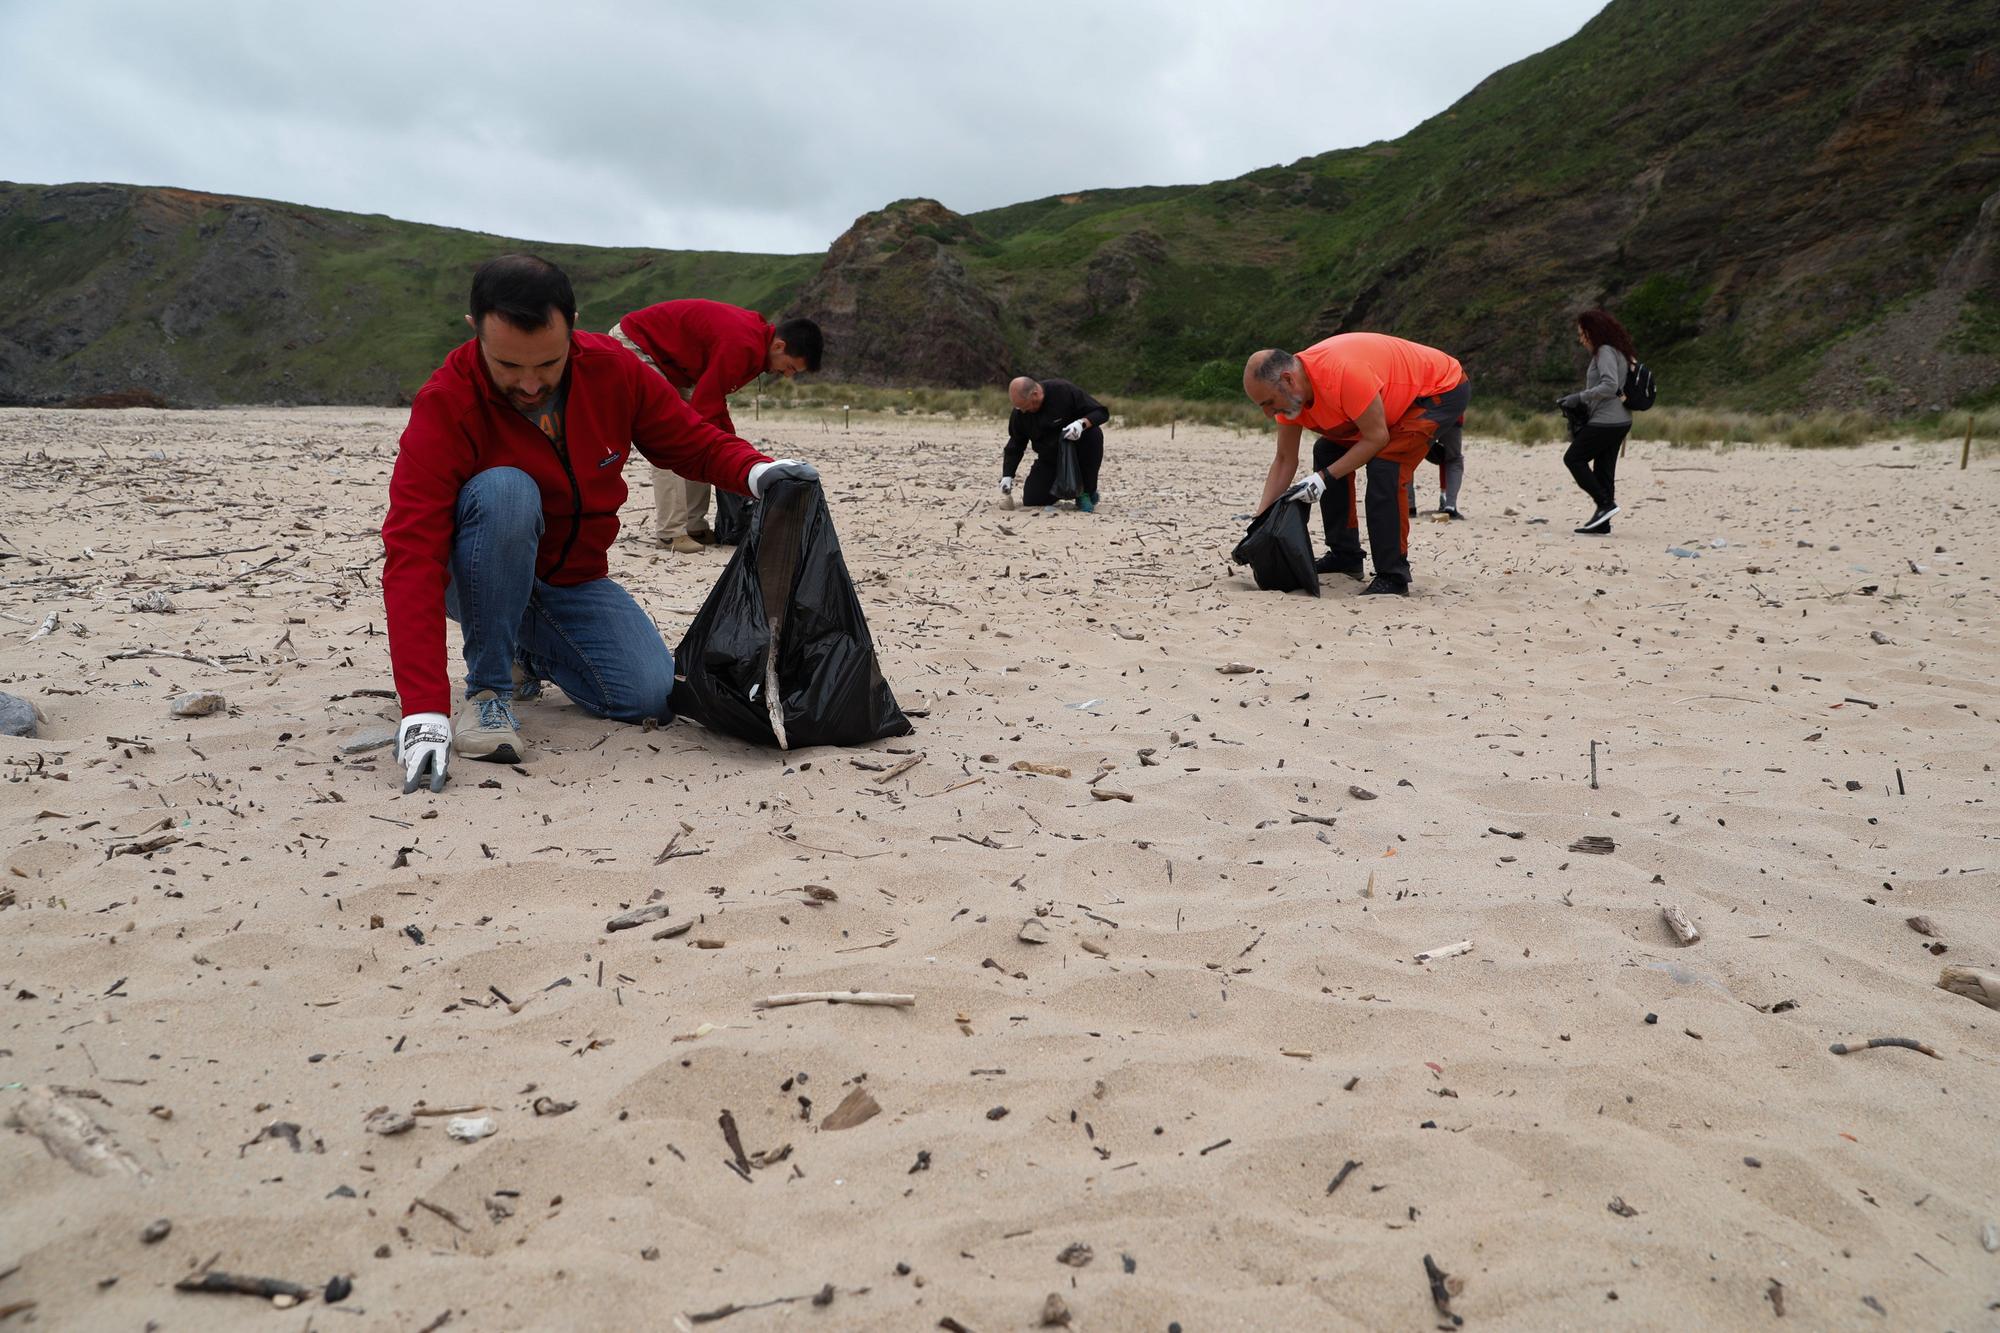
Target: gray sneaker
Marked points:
485	729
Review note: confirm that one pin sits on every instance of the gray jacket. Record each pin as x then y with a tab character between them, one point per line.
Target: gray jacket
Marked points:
1603	382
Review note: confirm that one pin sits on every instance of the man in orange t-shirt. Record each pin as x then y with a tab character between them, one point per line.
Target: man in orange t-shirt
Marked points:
1373	401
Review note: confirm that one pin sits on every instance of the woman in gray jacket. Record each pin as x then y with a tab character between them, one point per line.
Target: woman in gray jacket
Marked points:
1593	453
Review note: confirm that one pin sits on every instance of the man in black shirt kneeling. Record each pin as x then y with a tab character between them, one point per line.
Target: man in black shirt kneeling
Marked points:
1047	413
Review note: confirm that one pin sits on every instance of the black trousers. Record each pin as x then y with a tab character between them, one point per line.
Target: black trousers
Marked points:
1383	502
1042	475
1592	459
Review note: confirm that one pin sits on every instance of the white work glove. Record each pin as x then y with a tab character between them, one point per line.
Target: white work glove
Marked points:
1308	491
1006	485
1075	429
762	474
423	744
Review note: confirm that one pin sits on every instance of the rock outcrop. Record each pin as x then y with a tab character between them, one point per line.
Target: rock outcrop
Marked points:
898	306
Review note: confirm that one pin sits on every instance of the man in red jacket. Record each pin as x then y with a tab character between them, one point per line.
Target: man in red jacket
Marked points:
502	507
709	350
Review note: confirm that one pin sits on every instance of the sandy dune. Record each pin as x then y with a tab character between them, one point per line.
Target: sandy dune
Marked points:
1224	1013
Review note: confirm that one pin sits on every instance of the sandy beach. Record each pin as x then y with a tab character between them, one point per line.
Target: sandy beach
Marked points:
218	925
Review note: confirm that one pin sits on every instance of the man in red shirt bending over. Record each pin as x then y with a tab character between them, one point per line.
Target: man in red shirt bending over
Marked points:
1373	401
502	507
709	350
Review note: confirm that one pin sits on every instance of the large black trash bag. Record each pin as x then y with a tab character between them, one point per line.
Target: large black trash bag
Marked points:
786	585
1069	477
1278	548
732	517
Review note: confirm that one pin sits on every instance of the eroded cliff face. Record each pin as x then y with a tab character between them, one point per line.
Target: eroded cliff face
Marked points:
898	306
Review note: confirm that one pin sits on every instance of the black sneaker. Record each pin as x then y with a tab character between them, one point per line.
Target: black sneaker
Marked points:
1451	513
1383	584
1413	511
1331	564
1601	520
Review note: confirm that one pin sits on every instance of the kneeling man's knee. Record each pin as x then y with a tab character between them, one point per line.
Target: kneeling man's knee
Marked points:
644	688
503	495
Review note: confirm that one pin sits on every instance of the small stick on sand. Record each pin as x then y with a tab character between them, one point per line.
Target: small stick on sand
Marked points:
897	772
1440	1293
638	916
1349	1169
1445	951
835	997
242	1285
1046	770
124	653
46	628
1677	921
69	1132
1979	987
1906	1043
1593	765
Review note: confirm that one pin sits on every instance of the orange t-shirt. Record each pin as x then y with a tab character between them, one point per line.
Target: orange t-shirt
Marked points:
1349	370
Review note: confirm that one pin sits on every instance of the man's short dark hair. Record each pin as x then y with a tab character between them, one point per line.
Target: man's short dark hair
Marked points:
803	340
522	290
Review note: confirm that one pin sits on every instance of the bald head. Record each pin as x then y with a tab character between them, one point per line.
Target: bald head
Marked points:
1277	383
1024	393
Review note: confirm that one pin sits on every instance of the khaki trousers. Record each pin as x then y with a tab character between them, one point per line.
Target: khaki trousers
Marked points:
680	506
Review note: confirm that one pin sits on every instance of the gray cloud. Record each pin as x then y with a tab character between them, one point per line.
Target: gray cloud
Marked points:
754	127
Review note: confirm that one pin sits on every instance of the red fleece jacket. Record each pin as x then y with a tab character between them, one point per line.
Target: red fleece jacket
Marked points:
711	348
461	425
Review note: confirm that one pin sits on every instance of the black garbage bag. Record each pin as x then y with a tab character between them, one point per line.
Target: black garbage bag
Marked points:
732	517
1069	476
1278	548
779	654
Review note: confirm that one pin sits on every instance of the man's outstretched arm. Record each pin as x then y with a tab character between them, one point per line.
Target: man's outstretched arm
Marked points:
1284	466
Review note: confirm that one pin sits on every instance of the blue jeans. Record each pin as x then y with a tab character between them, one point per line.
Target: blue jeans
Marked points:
591	638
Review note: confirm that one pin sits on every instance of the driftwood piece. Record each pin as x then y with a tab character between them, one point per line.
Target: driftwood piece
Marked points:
1444	951
638	916
856	1108
124	653
69	1132
892	774
834	997
673	932
243	1285
1975	985
1677	921
1046	770
1876	1043
1441	1290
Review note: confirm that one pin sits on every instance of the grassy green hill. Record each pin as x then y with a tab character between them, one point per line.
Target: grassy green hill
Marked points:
1792	203
1753	186
202	299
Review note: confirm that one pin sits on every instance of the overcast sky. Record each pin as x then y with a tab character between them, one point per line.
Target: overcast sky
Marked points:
766	126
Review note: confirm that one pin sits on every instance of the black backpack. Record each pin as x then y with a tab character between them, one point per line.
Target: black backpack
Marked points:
1639	392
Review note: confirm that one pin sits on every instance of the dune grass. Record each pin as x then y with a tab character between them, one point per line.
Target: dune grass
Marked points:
1693	427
